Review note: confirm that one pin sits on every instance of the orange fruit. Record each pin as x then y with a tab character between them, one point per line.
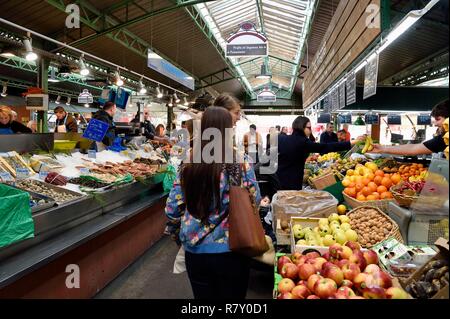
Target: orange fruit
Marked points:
345	182
371	197
366	181
371	176
377	180
395	179
387	175
379	172
389	195
372	186
376	195
351	185
361	197
384	195
359	179
359	186
386	181
381	189
351	191
366	191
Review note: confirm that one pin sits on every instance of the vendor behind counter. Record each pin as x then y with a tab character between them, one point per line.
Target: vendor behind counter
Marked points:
8	125
64	121
106	115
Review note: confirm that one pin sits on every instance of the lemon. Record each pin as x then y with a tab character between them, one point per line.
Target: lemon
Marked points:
341	209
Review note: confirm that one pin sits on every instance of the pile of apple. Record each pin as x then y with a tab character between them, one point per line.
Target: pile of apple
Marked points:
344	272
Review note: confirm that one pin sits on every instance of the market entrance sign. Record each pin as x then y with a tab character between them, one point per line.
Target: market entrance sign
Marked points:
247	42
347	37
85	97
157	63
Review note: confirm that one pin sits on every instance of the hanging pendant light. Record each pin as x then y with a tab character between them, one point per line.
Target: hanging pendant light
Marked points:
83	69
30	55
359	121
159	94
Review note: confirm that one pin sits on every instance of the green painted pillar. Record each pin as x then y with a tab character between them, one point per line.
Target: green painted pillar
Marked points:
43	65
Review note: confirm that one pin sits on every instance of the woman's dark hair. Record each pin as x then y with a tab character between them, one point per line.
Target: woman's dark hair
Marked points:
440	110
299	125
200	182
227	101
158	128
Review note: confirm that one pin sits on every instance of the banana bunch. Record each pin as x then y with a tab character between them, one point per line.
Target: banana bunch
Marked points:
368	146
328	157
445	126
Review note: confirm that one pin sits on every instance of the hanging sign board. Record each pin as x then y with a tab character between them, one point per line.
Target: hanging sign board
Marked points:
246	42
326	103
96	130
355	25
424	119
394	119
157	63
324	118
36	102
372	119
342	95
371	76
335	99
350	85
266	96
85	97
345	118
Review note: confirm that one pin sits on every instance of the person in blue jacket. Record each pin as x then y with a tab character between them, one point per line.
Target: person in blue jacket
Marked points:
8	125
294	149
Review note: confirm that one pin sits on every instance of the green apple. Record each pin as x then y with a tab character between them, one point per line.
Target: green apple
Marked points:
324	230
335	222
333	216
323	221
312	242
316	229
344	219
328	240
307	230
302	242
351	235
320	242
345	226
335	227
340	237
297	231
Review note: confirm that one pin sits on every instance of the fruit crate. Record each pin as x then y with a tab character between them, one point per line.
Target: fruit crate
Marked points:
304	222
323	181
382	204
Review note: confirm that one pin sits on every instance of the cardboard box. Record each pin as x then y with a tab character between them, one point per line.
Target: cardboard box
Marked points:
305	222
443	247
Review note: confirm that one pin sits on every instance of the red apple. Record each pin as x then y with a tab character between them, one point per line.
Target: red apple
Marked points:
396	293
302	282
350	271
345	253
346	292
289	271
328	264
301	260
371	257
374	292
301	292
372	269
382	279
347	283
318	263
334	273
327	255
312	281
295	257
335	250
286	295
281	261
285	285
357	257
312	297
312	255
359	282
342	262
353	245
305	271
325	288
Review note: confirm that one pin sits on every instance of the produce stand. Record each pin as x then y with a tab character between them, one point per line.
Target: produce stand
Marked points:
129	216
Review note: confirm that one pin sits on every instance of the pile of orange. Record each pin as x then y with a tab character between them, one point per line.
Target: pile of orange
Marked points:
411	170
372	186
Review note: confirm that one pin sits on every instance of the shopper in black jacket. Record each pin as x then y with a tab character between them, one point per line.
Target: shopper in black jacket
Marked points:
106	115
295	148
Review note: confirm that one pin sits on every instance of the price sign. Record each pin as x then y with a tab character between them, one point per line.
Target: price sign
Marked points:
394	119
424	119
345	119
22	173
324	118
6	177
84	171
43	174
92	154
96	130
372	119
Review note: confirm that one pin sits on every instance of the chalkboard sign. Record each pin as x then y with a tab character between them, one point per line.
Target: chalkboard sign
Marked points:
96	130
324	118
326	103
394	119
424	119
345	119
350	84
372	119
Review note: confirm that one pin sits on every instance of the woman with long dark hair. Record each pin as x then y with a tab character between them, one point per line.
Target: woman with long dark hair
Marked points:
198	203
294	149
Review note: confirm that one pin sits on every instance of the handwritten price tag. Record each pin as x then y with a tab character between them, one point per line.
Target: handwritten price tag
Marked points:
6	177
22	173
84	171
92	154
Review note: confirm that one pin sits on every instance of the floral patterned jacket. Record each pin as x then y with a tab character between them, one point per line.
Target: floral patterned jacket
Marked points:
206	238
